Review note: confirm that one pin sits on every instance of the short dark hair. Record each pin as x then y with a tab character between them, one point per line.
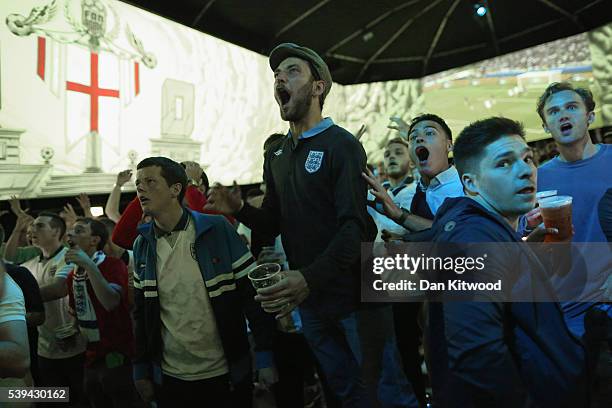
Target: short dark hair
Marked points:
585	94
274	140
57	222
171	171
433	118
475	137
1	234
98	229
397	140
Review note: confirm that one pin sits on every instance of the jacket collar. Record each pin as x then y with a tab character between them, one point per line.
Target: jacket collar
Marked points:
461	206
202	224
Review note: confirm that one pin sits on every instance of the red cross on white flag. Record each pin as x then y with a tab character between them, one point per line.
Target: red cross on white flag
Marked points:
94	91
93	85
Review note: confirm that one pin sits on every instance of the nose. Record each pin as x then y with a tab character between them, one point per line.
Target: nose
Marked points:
281	78
525	170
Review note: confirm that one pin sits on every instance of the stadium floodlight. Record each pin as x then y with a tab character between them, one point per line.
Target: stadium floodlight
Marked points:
480	9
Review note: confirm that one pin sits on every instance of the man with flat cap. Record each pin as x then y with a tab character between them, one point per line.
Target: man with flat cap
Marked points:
316	201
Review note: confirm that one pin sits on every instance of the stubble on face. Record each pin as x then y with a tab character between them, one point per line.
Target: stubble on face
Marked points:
301	101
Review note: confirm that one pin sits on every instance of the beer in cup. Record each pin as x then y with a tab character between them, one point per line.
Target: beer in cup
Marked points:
557	213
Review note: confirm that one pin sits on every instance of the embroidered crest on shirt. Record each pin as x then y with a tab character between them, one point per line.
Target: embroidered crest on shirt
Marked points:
193	251
278	152
313	161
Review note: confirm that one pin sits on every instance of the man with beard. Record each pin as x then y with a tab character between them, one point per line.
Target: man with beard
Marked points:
316	200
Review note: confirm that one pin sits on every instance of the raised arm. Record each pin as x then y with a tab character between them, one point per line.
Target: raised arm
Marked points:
112	204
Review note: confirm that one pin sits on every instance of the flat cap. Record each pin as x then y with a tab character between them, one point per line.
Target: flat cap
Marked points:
286	50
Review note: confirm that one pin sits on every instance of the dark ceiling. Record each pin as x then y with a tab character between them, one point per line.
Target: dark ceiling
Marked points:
380	40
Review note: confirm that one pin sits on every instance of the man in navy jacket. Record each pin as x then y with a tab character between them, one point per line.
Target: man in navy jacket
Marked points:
496	353
191	294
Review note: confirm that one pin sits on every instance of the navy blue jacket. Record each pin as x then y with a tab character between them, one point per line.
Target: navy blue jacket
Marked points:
497	354
224	263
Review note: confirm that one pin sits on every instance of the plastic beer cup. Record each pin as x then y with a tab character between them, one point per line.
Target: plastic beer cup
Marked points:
557	213
266	275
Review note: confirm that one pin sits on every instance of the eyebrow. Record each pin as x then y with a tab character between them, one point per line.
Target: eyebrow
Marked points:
288	67
572	102
425	128
509	153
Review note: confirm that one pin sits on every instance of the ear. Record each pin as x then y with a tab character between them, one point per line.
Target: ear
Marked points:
449	145
545	127
95	240
175	190
318	87
470	184
590	117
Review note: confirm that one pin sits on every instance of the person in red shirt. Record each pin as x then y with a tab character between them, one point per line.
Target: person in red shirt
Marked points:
125	232
98	295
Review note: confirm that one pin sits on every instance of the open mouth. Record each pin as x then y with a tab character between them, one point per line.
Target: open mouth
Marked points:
566	127
527	190
143	200
422	153
283	95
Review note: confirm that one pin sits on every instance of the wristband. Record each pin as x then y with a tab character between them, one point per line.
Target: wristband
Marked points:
402	218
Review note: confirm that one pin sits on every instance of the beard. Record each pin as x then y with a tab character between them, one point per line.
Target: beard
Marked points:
300	101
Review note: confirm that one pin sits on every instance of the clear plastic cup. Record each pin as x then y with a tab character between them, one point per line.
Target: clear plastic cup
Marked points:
557	213
266	275
544	194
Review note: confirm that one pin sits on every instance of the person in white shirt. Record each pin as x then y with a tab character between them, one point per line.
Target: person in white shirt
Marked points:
429	144
14	350
400	185
430	140
61	348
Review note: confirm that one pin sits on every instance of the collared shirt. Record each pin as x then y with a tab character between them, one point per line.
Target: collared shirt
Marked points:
45	271
315	194
318	128
192	347
444	185
42	258
407	181
180	226
402	196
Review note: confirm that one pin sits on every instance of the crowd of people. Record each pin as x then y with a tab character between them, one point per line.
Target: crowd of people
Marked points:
154	305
